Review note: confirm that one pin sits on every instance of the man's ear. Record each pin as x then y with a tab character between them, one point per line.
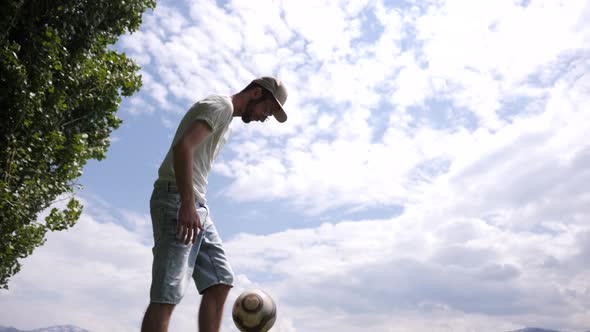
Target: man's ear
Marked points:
256	93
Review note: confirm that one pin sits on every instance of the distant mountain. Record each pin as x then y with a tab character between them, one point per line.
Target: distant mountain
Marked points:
528	329
60	328
8	329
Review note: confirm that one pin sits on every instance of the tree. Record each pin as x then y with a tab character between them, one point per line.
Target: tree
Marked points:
60	89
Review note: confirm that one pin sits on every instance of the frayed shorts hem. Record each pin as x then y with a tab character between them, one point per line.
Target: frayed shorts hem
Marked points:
206	287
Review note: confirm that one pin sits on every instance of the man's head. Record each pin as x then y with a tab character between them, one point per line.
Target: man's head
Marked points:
266	97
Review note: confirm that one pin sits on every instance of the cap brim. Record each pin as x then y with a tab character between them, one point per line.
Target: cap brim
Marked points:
280	114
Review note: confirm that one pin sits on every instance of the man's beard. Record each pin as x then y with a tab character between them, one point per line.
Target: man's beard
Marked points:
247	115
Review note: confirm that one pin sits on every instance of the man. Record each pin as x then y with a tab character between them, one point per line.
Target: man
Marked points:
186	243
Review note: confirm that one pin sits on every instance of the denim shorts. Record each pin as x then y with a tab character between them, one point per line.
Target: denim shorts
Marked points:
175	263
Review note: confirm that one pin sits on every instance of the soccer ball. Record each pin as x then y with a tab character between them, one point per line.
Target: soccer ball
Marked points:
254	311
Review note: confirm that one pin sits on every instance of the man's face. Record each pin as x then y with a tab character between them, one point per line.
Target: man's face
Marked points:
259	110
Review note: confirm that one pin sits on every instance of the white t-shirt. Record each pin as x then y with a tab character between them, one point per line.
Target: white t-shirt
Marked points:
217	111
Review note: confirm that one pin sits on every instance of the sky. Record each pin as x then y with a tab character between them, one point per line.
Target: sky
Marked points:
432	175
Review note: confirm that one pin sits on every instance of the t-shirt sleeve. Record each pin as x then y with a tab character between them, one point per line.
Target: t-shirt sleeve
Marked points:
212	112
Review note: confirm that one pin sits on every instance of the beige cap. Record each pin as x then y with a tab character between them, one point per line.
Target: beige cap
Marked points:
278	91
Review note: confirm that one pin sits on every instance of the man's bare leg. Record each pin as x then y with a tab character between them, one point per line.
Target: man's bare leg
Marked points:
157	317
211	310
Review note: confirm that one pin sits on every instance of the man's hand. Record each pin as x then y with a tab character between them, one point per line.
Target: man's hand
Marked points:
189	223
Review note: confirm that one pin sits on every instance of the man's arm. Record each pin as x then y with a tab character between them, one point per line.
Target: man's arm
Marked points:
188	219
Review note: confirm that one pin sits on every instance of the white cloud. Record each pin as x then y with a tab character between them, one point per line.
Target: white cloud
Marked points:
412	87
485	50
325	25
138	105
330	162
384	272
